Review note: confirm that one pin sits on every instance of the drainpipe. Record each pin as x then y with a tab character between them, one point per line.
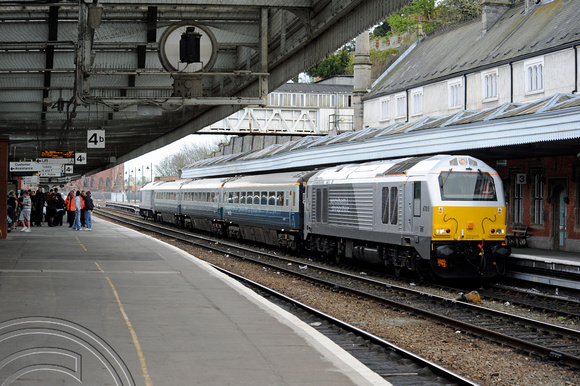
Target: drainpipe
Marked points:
575	70
465	92
407	98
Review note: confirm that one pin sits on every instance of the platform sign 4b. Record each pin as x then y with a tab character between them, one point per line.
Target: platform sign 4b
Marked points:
80	158
96	139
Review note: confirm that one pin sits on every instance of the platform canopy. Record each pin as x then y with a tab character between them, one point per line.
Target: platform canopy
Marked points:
111	80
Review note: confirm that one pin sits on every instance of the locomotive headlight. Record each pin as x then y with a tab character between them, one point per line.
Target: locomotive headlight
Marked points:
493	231
448	230
499	231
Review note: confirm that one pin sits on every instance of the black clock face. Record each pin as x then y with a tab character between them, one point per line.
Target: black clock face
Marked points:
169	49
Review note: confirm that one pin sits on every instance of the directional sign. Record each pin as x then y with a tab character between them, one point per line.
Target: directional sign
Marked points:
24	167
51	170
96	139
81	159
54	161
68	169
31	181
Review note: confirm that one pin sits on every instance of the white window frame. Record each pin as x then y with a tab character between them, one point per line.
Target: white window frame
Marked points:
489	80
384	108
401	105
534	75
455	92
417	101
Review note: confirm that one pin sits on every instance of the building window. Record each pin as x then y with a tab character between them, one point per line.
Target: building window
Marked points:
417	100
539	199
333	100
294	98
401	102
534	75
385	109
273	99
302	100
455	91
518	203
489	80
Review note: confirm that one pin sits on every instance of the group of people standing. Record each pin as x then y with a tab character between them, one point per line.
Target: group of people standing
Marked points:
79	209
32	208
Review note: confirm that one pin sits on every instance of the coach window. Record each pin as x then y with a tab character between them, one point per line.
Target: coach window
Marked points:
417	199
280	198
230	198
264	200
394	204
256	198
272	198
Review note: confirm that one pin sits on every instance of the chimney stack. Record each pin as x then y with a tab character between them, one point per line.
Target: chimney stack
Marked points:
362	77
491	11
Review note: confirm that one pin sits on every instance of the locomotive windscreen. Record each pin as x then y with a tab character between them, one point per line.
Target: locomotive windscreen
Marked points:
467	186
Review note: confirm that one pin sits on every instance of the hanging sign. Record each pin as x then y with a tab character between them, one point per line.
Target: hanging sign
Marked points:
81	159
95	139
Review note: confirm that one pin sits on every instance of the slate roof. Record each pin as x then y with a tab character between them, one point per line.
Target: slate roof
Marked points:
315	88
517	35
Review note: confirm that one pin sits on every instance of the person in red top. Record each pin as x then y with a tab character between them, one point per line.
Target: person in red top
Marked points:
69	205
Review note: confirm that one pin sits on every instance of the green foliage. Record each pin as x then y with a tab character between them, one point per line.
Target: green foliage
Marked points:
378	56
430	14
382	30
457	10
336	63
409	17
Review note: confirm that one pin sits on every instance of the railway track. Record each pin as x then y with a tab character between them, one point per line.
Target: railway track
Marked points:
546	340
394	364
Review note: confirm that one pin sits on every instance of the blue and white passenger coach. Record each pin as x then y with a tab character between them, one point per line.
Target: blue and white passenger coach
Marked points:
266	208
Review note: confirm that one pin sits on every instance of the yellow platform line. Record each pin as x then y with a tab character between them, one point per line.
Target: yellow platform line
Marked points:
136	343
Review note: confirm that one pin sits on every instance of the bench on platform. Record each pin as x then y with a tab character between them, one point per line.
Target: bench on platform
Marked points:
519	236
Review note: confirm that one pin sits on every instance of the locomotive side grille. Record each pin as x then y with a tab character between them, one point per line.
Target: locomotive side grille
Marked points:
347	207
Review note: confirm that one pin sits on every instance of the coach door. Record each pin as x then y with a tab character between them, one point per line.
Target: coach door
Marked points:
409	205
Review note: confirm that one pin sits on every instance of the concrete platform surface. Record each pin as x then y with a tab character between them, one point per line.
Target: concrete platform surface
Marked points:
114	307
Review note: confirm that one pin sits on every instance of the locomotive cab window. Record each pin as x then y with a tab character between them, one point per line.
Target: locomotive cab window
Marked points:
467	186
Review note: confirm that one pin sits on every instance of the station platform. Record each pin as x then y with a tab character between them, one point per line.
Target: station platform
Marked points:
556	269
113	306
